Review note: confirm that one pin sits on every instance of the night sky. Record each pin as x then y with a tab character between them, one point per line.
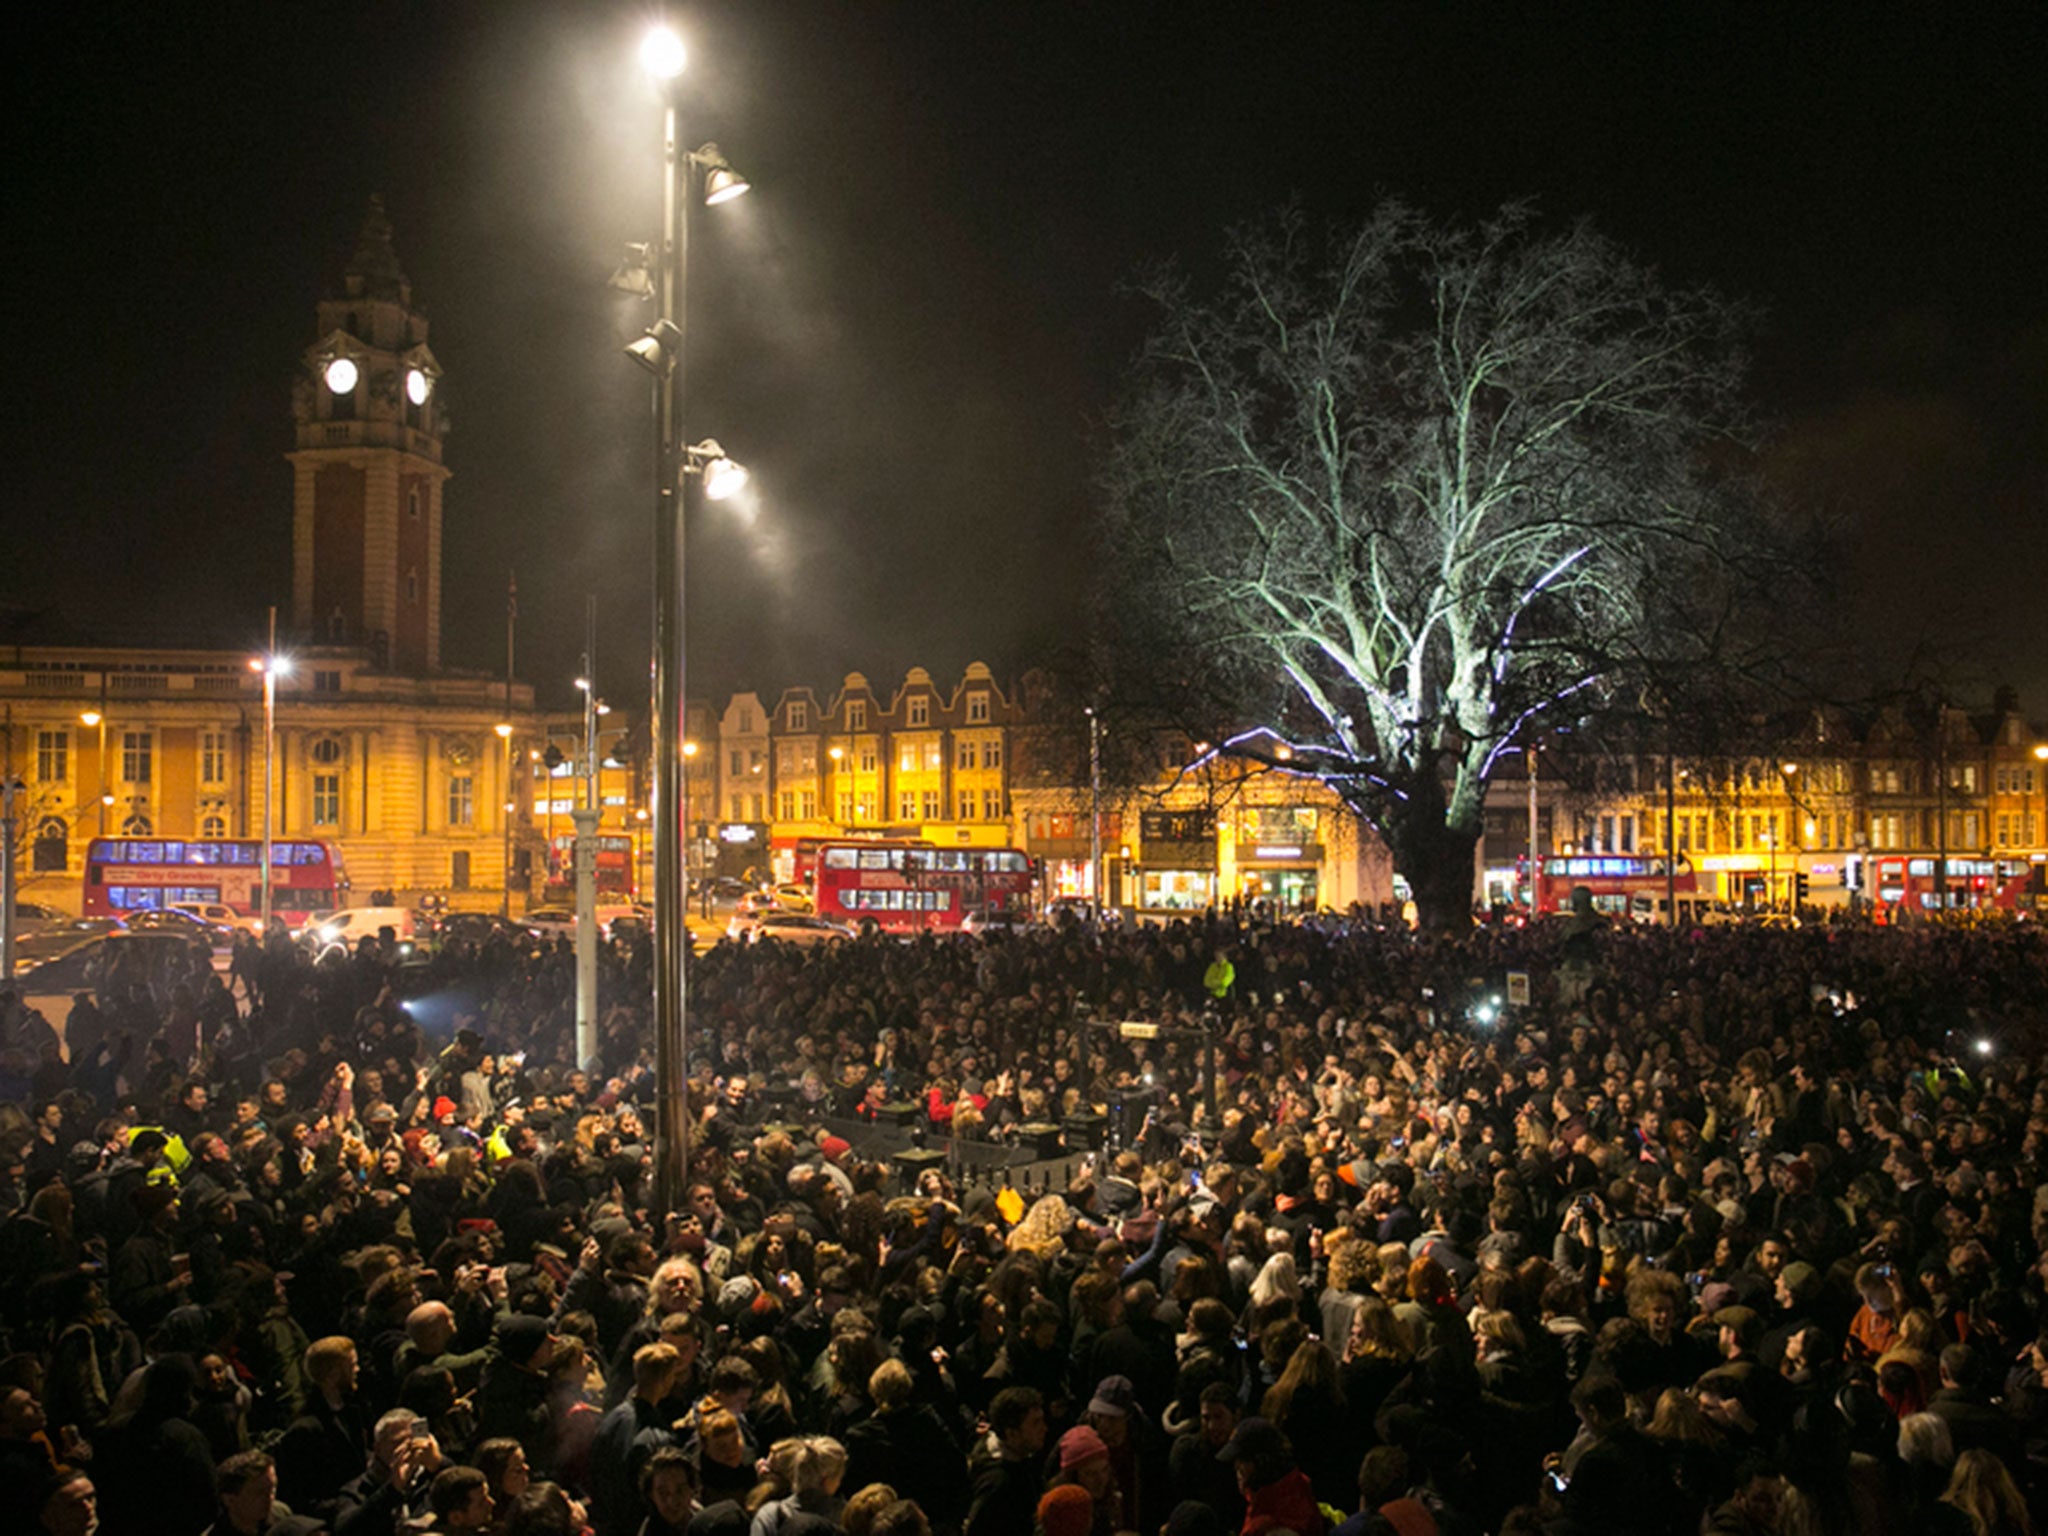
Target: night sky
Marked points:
911	330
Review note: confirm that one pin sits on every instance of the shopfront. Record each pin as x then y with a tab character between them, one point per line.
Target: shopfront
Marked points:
1280	856
1176	859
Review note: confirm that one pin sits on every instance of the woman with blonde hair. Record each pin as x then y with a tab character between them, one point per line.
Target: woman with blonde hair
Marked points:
816	1464
1984	1491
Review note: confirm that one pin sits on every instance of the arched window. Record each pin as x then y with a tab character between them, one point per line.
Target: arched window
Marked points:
53	845
326	750
137	824
214	826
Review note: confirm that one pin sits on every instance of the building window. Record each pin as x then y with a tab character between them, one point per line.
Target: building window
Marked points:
213	757
788	803
136	825
867	757
932	809
785	758
807	804
906	804
326	799
215	825
918	711
412	583
967	805
458	870
991	805
977	709
857	714
906	760
864	805
135	757
964	756
412	504
738	811
53	846
53	756
799	715
758	802
846	805
739	763
327	682
934	756
326	751
991	754
461	806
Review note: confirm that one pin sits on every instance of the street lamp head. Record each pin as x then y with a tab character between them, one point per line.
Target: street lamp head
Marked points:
504	730
836	753
90	717
689	749
721	182
636	273
723	478
662	54
1789	768
659	349
2042	753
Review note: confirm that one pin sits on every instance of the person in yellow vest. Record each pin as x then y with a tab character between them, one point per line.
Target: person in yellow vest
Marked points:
1220	977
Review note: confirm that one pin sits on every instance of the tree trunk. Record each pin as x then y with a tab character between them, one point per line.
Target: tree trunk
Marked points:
1435	856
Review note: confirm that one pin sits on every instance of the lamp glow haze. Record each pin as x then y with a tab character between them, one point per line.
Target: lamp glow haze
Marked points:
723	478
662	54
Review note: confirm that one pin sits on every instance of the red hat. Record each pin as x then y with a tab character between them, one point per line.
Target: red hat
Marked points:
835	1147
1066	1511
1080	1444
444	1107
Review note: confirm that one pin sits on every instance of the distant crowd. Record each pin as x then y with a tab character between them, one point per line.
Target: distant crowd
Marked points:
1728	1230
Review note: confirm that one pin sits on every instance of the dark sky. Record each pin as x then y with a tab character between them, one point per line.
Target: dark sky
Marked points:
911	329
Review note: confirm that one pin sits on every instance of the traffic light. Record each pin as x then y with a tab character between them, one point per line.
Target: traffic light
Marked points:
1799	888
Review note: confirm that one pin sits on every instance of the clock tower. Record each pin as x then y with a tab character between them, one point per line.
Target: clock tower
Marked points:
367	472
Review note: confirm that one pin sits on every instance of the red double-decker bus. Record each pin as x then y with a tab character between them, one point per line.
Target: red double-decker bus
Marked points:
804	857
1917	883
1615	879
614	868
920	888
139	874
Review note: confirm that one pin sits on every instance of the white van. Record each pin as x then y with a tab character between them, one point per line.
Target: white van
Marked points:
1693	911
351	924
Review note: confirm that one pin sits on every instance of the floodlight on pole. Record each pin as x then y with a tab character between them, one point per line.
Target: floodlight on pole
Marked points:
662	353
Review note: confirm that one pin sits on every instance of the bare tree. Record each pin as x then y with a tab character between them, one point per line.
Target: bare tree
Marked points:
1417	494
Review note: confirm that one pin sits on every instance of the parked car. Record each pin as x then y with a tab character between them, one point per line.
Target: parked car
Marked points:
35	917
793	928
551	923
351	924
180	920
1004	921
32	949
478	927
220	916
146	956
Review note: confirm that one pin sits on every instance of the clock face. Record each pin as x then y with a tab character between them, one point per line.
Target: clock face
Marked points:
417	386
460	753
341	376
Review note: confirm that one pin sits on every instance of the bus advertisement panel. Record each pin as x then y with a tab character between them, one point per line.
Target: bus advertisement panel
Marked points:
136	874
919	889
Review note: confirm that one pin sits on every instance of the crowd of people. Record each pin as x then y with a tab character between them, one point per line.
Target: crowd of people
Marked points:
1556	1229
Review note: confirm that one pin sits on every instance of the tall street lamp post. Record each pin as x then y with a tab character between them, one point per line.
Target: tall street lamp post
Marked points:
504	730
272	666
660	351
98	717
